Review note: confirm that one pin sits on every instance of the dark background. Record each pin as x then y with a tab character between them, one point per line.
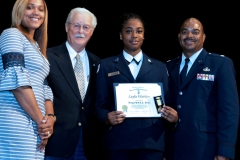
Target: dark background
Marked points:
162	19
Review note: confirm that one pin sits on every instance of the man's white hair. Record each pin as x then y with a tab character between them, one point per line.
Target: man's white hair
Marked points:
82	10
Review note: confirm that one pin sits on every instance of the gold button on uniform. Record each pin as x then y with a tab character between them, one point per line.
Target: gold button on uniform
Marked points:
79	124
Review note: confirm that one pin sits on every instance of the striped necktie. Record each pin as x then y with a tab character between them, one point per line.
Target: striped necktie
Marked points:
79	73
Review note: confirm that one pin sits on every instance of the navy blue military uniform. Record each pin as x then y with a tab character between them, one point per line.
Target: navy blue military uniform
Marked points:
208	109
132	133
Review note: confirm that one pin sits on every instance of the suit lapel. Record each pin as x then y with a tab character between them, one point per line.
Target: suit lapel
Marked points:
146	66
196	67
64	62
122	66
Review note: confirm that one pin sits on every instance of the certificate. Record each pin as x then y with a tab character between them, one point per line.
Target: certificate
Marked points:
139	99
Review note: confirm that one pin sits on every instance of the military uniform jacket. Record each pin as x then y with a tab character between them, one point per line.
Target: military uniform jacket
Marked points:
132	133
208	109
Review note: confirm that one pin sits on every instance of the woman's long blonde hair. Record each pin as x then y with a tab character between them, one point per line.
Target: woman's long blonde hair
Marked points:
40	35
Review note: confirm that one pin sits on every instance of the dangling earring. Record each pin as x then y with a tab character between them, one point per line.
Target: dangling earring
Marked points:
120	38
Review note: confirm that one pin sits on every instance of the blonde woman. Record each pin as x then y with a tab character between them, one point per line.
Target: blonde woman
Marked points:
26	110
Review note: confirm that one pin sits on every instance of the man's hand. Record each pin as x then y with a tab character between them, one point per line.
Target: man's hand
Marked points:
221	158
169	114
115	117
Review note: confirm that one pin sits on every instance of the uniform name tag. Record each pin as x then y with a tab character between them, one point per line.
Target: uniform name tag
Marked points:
205	77
113	73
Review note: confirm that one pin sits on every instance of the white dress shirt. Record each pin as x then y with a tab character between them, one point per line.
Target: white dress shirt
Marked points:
134	68
83	58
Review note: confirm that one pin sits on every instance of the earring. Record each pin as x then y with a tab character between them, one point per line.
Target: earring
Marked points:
120	38
143	38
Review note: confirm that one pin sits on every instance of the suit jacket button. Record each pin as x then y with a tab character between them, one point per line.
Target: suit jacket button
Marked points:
180	93
79	124
179	106
82	108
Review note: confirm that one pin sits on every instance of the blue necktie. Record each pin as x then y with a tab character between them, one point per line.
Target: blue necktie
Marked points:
183	73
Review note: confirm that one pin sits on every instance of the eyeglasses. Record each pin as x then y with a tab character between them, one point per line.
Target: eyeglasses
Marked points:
77	26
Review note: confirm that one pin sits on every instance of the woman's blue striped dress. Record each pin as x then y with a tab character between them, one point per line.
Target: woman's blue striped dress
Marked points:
21	64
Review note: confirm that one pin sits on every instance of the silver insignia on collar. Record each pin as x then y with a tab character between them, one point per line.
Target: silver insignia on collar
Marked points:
116	59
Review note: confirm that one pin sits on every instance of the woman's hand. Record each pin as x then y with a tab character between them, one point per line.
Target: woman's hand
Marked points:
45	129
42	145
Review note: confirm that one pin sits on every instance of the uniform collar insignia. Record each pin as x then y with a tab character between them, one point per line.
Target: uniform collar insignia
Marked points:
116	59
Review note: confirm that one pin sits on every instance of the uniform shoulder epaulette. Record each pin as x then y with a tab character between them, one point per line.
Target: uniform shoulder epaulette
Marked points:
173	59
216	55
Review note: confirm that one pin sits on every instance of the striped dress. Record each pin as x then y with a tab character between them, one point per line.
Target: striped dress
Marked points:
21	64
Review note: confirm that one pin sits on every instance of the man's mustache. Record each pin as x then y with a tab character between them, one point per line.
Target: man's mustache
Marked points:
77	35
189	39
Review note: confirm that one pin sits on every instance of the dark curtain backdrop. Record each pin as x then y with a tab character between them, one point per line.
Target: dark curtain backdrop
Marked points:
162	19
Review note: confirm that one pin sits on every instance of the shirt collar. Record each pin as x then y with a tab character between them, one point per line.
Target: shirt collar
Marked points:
129	58
192	58
73	53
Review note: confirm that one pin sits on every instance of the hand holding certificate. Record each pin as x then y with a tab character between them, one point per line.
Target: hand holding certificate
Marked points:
115	117
139	99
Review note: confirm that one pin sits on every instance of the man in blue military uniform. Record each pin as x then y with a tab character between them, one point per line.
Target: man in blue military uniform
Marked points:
204	93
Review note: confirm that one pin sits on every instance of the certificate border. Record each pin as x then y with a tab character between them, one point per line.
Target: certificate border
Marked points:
158	83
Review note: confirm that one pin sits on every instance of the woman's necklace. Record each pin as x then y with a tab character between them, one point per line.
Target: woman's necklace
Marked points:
36	46
38	49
